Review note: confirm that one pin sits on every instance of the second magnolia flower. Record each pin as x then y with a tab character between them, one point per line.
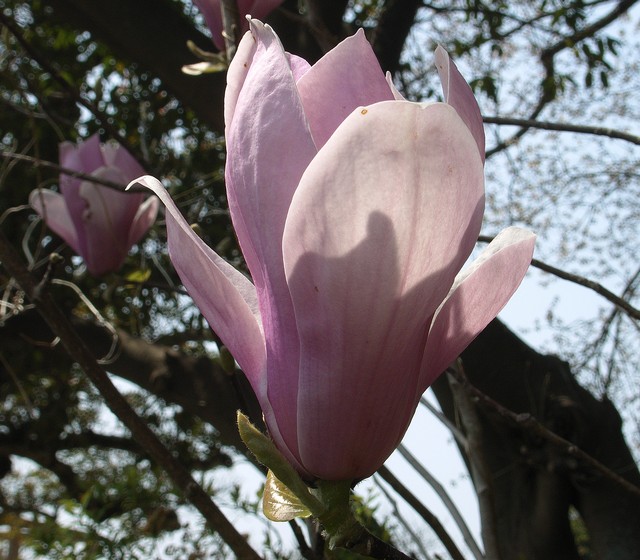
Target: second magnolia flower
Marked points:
355	211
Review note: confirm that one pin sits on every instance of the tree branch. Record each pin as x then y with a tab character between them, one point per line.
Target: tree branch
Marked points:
526	421
581	281
38	162
446	499
394	24
158	44
547	60
565	127
423	511
71	91
480	472
38	294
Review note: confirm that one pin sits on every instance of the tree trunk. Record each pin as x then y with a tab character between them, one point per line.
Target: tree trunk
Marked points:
535	482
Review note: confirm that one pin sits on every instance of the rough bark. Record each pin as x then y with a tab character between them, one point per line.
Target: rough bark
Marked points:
534	481
396	20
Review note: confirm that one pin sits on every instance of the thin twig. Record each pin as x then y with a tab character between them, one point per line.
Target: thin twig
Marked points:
457	433
305	550
230	26
565	127
397	515
480	471
113	351
50	69
446	500
141	432
547	60
37	162
529	423
581	281
423	512
16	380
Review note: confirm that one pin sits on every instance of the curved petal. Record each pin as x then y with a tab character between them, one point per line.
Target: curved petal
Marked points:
53	210
396	181
226	298
299	66
477	296
237	74
210	10
119	157
347	77
121	206
106	221
143	220
458	94
394	90
268	148
85	157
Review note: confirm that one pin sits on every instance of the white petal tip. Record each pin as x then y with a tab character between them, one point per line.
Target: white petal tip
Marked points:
145	181
441	55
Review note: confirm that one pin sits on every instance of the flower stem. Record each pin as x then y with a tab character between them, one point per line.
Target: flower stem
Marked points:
343	529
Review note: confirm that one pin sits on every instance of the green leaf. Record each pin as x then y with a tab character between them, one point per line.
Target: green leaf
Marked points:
139	276
279	503
268	454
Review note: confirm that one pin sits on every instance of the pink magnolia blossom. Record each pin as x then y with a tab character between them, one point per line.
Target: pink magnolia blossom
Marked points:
99	223
212	13
355	211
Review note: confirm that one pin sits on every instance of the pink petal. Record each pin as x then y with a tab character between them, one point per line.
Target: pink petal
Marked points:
117	156
143	220
210	10
299	66
268	148
212	13
85	157
239	69
226	298
106	220
121	206
383	219
458	94
346	77
53	210
476	298
237	74
396	94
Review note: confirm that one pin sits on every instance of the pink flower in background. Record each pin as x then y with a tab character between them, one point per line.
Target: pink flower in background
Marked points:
355	211
99	223
212	13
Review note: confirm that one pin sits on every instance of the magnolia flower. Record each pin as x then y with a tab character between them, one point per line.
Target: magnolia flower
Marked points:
212	13
355	211
99	223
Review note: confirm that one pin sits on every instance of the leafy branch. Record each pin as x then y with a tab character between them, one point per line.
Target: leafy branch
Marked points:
37	292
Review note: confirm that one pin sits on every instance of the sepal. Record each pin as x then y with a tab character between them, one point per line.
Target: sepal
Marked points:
267	453
279	503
